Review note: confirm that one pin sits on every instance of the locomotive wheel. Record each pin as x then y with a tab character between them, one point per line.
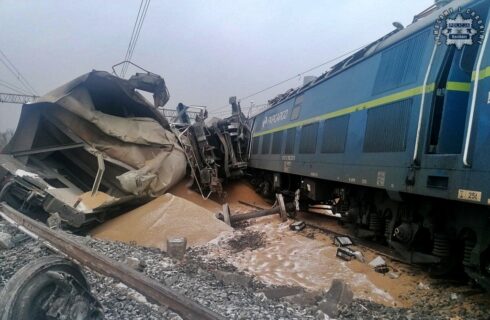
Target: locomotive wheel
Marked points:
51	287
449	267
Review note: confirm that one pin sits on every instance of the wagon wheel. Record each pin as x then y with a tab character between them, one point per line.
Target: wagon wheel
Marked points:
49	288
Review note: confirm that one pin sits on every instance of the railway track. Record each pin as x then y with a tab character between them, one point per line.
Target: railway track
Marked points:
375	247
86	257
312	223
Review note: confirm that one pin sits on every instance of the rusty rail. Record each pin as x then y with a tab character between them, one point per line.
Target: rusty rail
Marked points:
230	219
251	205
99	263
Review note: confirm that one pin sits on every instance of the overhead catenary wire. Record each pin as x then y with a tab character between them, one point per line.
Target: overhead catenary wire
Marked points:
18	75
6	62
292	77
135	34
245	109
140	19
138	31
13	87
132	36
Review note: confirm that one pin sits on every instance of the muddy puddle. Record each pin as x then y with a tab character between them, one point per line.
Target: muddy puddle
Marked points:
292	259
266	247
285	257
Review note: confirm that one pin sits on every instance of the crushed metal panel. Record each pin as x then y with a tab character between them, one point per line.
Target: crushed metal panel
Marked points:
216	149
95	127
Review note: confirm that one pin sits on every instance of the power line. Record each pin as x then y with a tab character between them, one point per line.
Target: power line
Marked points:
139	24
17	73
295	76
12	87
142	20
137	34
132	37
245	109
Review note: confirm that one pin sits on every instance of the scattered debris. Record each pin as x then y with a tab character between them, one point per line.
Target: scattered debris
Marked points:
135	263
359	256
342	241
455	296
320	315
54	221
176	247
393	275
339	294
382	269
297	226
345	253
138	297
5	241
378	261
422	286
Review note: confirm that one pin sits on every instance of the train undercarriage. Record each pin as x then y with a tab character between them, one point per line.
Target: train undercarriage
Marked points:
448	237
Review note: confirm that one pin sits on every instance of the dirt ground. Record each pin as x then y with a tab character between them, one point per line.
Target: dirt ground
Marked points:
307	258
165	217
267	249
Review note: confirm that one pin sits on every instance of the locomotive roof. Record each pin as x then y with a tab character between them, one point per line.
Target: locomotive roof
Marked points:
374	47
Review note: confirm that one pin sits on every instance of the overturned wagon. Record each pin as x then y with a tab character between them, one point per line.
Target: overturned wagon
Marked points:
91	149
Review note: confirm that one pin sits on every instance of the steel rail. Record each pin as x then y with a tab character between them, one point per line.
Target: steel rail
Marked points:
81	254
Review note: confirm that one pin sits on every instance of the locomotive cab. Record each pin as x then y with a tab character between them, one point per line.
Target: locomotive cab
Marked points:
397	134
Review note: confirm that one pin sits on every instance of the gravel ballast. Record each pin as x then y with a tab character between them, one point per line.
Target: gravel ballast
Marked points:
212	283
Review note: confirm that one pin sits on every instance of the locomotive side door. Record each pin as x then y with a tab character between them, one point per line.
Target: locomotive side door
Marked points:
450	103
451	99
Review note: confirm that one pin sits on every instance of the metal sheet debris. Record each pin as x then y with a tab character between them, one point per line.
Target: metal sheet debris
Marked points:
297	226
216	149
342	241
90	149
345	253
378	261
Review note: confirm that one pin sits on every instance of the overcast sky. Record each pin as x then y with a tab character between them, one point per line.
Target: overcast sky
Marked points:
205	50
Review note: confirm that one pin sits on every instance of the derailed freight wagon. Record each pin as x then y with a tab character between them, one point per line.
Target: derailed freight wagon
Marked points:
90	149
399	133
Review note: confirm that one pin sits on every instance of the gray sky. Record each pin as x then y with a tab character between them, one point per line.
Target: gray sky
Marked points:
205	50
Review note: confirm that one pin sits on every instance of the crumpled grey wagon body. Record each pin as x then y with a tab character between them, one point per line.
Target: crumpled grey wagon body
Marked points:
89	149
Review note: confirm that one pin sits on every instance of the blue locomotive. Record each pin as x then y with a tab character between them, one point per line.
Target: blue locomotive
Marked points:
398	133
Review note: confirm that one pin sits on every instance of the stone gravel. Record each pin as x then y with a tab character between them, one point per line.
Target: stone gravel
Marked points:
212	283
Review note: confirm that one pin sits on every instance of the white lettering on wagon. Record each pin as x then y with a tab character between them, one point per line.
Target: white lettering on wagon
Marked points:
275	118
